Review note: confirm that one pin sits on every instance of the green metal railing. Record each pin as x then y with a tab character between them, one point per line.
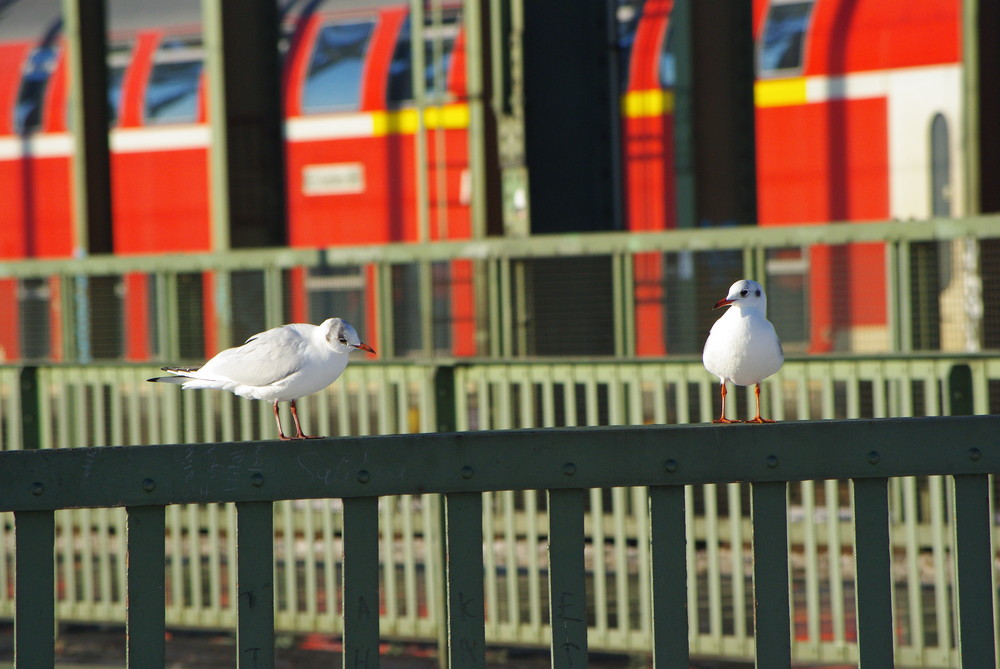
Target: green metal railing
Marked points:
387	288
113	405
562	464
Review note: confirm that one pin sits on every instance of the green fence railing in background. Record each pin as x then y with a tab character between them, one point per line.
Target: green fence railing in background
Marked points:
660	613
926	286
99	405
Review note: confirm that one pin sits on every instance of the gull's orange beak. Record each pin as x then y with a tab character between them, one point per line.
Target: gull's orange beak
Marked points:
723	303
365	347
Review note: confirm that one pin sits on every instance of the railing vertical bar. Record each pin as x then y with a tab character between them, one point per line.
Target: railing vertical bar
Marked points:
873	580
409	562
34	589
619	543
833	551
640	505
512	580
694	613
464	540
567	578
939	552
914	586
255	584
669	566
388	542
737	558
361	597
145	599
769	516
973	557
811	551
534	570
491	575
600	573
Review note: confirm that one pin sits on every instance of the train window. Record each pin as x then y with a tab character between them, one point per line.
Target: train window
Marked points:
34	82
172	92
333	81
440	31
668	62
119	56
781	48
627	14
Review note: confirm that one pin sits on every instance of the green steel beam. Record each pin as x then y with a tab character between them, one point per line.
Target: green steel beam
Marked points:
247	159
86	37
571	244
496	460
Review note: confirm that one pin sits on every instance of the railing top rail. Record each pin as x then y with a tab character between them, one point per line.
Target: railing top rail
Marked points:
499	460
571	244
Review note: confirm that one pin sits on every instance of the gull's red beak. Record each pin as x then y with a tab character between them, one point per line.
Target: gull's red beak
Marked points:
723	303
365	347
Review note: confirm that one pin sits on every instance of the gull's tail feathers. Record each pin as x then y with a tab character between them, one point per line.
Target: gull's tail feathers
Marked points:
180	375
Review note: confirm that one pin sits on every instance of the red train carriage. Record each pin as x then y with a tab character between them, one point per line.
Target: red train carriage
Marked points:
846	131
858	110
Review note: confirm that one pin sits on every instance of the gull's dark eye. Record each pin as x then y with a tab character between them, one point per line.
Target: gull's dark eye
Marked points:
343	340
743	293
758	293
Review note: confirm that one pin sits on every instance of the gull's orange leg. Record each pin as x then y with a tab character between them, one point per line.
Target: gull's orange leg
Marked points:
298	428
757	418
722	417
277	419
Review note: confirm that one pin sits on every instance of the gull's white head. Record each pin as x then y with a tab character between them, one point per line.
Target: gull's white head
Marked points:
342	336
745	294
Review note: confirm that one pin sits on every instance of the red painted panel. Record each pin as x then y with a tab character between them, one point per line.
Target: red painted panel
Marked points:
11	63
136	306
863	35
823	162
161	201
10	341
649	173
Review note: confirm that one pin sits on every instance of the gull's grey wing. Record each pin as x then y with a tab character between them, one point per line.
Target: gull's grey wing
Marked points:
264	359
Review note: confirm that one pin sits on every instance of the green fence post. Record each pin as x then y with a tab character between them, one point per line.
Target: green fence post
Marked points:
31	423
445	412
960	390
444	421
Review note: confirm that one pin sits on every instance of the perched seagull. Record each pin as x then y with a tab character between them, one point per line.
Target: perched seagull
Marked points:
279	365
742	347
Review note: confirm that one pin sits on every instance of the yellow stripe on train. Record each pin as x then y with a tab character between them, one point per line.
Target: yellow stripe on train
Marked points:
405	121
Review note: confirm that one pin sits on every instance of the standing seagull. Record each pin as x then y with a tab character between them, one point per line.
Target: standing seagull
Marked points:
742	347
279	365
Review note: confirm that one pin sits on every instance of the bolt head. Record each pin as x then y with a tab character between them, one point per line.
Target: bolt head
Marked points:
149	485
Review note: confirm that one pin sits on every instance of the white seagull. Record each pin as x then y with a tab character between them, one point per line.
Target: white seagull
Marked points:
742	347
279	365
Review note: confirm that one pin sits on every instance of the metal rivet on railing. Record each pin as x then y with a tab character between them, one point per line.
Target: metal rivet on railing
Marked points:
149	485
256	479
873	457
467	472
772	461
37	488
364	476
569	469
975	454
670	466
